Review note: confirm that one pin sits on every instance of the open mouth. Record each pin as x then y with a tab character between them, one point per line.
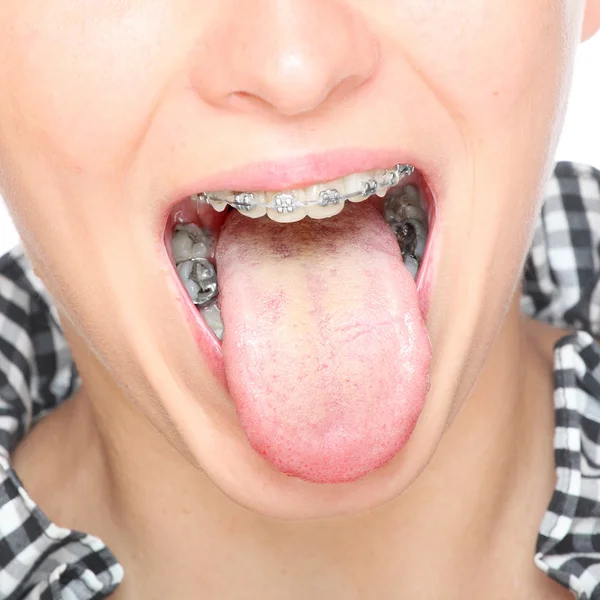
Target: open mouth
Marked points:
315	298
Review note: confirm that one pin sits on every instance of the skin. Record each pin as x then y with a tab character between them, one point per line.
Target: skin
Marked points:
106	108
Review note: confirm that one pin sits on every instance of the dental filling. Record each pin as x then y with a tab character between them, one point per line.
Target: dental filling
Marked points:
194	253
324	344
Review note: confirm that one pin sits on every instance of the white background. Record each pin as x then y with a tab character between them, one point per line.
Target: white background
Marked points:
580	140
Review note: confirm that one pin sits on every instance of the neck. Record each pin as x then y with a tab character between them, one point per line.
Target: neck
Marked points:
477	496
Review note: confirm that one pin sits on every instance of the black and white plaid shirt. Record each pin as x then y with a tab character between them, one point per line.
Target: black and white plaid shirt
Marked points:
41	561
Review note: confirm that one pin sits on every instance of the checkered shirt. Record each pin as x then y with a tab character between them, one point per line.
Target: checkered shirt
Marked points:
41	561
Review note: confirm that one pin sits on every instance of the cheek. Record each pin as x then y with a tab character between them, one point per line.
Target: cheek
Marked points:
491	64
501	71
84	78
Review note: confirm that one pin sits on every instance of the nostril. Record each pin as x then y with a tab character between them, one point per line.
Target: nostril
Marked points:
290	58
248	102
290	94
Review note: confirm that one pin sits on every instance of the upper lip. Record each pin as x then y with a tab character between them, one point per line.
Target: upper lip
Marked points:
299	172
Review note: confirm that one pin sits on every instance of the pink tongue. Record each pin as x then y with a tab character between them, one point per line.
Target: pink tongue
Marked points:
326	352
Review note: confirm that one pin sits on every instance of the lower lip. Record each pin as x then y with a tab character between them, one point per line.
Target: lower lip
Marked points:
210	346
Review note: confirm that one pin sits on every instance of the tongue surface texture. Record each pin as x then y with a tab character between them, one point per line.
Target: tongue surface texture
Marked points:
325	348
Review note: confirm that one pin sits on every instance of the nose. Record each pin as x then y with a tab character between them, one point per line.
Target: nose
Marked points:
287	56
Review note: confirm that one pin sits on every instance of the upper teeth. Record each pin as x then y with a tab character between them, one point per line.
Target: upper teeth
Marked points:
316	201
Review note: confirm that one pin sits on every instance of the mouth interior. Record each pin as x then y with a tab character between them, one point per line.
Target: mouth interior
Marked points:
323	338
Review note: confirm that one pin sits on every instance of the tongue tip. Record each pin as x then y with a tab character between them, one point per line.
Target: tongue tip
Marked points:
334	461
332	471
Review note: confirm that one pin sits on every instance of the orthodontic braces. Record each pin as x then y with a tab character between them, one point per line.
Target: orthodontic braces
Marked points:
286	202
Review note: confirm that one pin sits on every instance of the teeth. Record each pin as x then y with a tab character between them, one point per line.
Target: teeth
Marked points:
409	211
195	232
400	199
406	214
356	183
244	200
218	205
421	238
405	203
204	274
185	270
285	207
327	199
212	316
411	195
182	246
201	250
224	198
388	178
193	289
193	250
292	205
251	204
189	241
410	262
256	212
370	187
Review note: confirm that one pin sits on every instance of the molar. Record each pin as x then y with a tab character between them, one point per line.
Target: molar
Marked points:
212	317
411	195
421	238
412	212
405	203
181	245
411	263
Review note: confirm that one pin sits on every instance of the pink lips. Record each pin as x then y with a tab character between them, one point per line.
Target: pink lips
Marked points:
302	171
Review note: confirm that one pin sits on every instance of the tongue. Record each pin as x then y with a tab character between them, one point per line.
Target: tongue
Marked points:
325	349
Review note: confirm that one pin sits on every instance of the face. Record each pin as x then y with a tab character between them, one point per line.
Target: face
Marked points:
113	114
